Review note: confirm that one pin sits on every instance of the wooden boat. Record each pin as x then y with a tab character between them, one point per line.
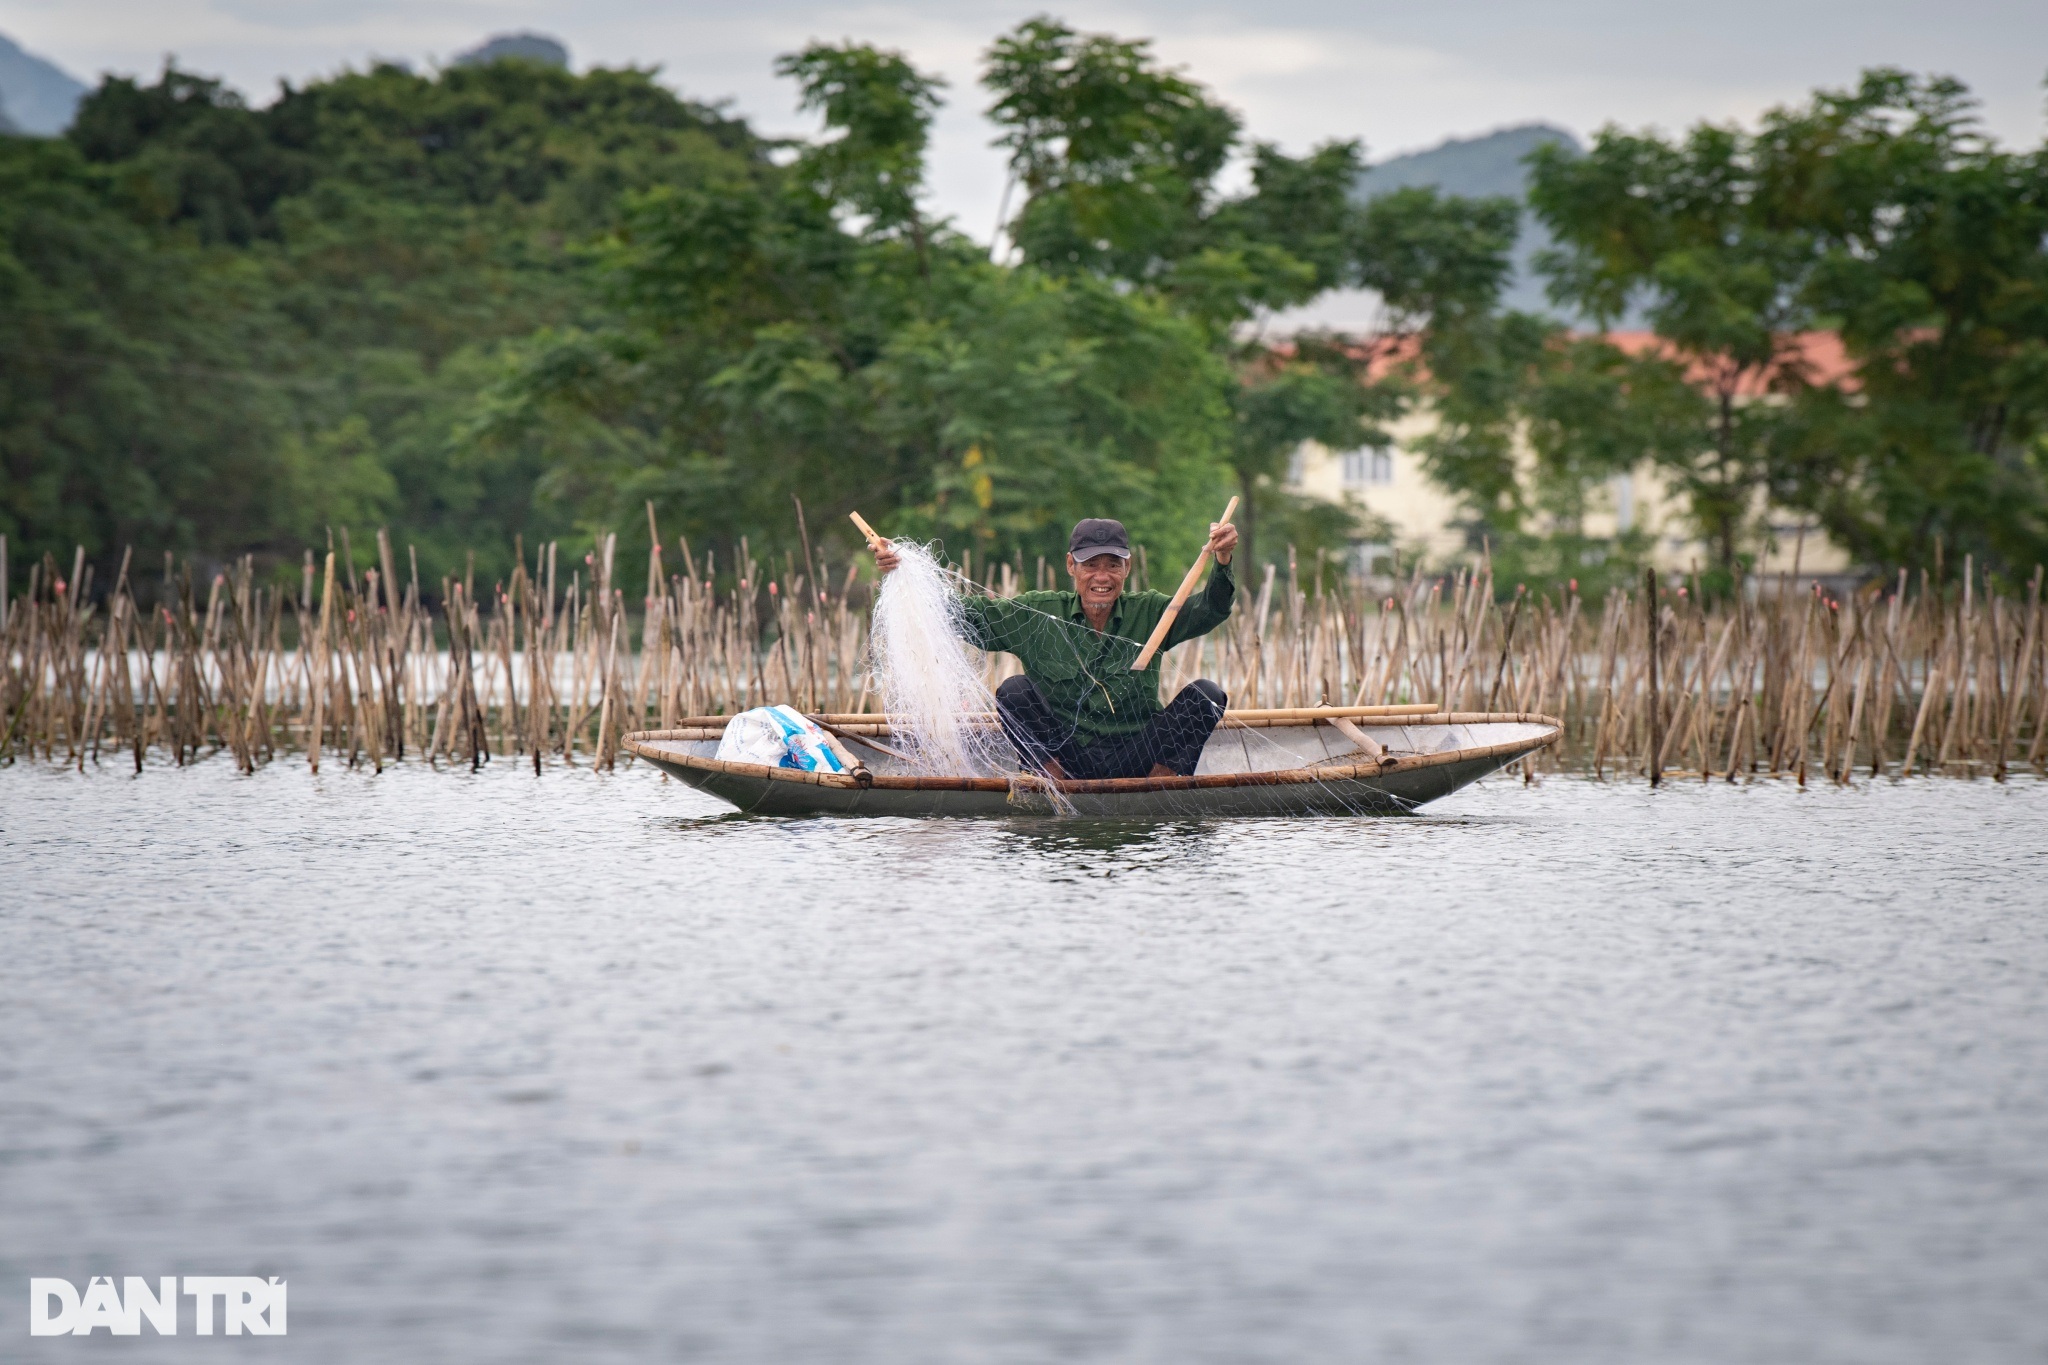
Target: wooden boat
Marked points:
1305	761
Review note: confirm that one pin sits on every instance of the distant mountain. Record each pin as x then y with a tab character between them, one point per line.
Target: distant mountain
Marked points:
35	96
1476	168
532	47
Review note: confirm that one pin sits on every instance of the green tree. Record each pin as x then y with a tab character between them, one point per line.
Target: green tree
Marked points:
800	331
1118	158
1682	227
1116	154
124	415
804	330
228	329
1931	258
1881	213
881	108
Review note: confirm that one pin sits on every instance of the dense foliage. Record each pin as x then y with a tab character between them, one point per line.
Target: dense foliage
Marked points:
227	329
507	300
811	333
1882	214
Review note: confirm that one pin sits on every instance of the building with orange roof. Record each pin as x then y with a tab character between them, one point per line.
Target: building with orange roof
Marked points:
1429	524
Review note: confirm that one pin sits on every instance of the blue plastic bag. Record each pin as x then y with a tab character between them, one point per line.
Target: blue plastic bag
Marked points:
778	737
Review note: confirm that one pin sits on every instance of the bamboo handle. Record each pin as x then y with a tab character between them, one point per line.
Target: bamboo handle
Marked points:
874	540
849	761
878	724
1187	585
1348	728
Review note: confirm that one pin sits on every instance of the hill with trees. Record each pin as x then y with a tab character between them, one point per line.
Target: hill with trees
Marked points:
1492	165
37	97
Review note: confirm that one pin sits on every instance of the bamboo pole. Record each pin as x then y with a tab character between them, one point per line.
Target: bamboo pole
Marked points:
1180	596
1655	756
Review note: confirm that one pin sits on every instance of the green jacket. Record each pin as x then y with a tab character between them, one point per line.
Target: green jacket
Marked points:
1087	674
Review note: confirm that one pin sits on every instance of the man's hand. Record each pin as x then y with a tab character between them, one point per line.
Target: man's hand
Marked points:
885	557
1222	541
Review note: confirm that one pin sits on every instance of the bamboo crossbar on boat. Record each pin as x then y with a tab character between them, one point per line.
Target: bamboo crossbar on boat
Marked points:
868	724
1252	714
877	727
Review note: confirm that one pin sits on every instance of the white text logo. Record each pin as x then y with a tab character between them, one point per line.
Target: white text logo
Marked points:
248	1304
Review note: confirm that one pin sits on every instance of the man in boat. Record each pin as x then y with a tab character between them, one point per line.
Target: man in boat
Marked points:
1079	710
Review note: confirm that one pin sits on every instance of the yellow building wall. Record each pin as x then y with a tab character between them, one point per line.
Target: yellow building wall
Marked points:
1423	514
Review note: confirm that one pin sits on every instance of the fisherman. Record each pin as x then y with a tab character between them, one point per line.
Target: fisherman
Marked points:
1079	710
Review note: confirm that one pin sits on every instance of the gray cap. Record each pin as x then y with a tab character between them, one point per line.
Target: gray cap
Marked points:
1098	536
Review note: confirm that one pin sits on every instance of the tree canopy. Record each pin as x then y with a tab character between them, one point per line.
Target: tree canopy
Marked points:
810	332
508	300
1882	214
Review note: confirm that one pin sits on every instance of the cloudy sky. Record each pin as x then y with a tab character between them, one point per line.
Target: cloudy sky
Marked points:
1401	76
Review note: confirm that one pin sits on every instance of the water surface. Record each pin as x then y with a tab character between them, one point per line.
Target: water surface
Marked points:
497	1068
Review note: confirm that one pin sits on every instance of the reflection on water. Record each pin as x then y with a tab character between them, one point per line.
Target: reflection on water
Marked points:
1131	838
584	1067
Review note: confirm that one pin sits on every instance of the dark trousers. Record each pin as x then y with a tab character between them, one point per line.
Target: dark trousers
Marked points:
1174	737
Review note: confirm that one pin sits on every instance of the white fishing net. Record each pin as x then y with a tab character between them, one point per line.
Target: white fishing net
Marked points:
940	711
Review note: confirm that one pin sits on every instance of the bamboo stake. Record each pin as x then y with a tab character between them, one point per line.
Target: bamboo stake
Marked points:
316	733
1656	712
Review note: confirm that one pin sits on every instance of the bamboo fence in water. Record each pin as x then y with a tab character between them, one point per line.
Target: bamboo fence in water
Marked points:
1899	677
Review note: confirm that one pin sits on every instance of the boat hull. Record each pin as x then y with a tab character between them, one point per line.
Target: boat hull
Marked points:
1283	772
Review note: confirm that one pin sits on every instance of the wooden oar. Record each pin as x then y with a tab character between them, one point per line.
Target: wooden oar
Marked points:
1187	585
829	728
1348	728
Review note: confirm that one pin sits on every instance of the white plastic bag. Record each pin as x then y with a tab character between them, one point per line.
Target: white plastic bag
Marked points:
777	737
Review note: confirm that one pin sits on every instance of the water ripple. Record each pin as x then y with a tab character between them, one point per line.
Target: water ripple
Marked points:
508	1068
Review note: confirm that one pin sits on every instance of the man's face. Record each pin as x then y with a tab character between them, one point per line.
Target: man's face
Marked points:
1100	580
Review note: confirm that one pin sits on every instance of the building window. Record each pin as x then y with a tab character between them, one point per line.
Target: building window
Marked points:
1295	462
1366	468
1369	558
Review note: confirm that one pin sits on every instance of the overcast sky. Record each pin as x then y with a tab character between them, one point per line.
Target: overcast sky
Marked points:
1401	76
